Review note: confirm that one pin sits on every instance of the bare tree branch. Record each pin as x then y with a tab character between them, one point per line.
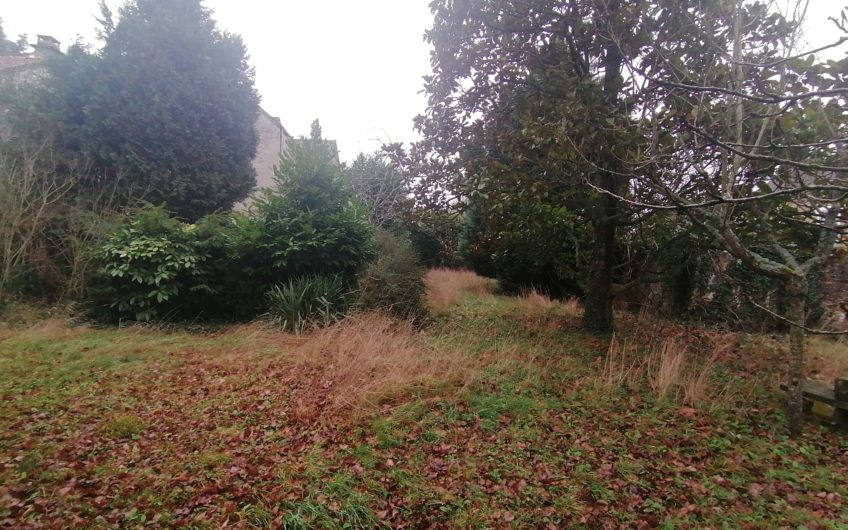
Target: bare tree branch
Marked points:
721	200
797	56
796	324
765	158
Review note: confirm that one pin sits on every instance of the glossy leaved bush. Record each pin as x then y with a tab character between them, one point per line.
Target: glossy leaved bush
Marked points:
148	265
156	267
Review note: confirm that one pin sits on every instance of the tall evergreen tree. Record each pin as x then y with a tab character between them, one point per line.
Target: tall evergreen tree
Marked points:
167	107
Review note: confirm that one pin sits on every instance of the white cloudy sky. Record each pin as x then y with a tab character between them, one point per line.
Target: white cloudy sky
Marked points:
355	64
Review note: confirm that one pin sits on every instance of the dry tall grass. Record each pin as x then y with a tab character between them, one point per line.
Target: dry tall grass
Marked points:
447	287
51	329
369	360
571	306
698	387
666	368
828	358
533	301
621	367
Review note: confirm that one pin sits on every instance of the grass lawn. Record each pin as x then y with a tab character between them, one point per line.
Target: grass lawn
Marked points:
500	415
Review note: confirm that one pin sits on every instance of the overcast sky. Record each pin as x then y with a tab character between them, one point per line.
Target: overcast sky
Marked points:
355	64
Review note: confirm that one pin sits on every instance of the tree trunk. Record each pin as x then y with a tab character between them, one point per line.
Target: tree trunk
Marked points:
598	316
795	311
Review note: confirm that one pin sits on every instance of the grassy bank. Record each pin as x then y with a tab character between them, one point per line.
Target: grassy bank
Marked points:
500	415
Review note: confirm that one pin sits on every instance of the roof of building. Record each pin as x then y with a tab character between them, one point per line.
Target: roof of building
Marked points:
277	121
8	62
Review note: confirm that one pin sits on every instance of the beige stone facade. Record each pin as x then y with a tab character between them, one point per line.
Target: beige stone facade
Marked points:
273	141
15	74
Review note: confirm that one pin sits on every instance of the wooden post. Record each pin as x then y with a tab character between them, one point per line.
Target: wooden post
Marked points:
840	415
840	390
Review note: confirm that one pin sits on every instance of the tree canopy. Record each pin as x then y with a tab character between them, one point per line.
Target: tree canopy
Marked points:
534	93
312	223
666	118
167	108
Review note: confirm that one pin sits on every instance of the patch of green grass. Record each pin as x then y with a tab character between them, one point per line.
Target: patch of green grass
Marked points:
307	514
30	463
530	442
388	433
212	459
355	514
256	516
295	521
491	408
365	455
125	426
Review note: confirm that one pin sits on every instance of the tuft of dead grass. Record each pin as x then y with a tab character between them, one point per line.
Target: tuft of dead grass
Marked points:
533	301
447	287
369	360
571	307
53	329
621	368
667	369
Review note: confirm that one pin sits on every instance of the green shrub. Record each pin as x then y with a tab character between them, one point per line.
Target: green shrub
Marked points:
308	302
394	282
155	266
229	242
147	265
221	268
311	223
296	242
526	245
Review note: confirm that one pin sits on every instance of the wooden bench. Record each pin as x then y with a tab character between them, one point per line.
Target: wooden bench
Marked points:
835	396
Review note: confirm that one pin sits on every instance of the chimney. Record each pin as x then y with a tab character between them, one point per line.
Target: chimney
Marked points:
46	46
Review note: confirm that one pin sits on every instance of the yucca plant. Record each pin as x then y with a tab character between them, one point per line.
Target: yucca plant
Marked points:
307	302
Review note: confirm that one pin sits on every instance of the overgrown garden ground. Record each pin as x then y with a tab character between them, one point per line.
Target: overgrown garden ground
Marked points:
500	415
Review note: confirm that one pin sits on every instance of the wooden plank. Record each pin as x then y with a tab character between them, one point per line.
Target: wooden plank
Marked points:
820	391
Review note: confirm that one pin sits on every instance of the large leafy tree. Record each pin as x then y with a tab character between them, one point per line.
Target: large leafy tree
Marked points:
748	143
167	107
703	113
529	219
538	83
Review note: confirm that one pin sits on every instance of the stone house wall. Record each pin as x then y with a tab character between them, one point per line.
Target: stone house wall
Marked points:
273	141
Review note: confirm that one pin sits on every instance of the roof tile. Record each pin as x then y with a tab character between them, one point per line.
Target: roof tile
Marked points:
11	61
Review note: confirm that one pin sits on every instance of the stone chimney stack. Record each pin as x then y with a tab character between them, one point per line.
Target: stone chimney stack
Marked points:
46	46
